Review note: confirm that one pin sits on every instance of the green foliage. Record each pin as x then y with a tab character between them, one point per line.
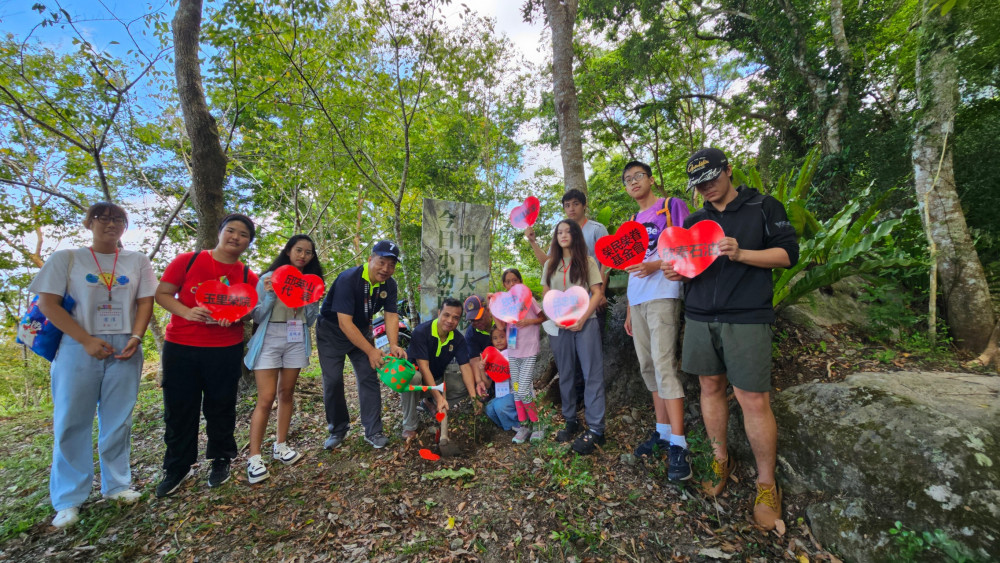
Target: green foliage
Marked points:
449	473
927	546
571	475
24	377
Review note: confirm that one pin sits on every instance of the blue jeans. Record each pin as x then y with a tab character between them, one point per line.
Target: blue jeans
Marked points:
502	412
82	385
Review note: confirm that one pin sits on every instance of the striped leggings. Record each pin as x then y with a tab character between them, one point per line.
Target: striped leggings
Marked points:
521	375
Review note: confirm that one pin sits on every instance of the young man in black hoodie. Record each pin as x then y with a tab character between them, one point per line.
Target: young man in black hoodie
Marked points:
728	310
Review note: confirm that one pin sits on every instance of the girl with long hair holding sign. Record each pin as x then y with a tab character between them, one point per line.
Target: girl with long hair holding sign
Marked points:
277	353
99	359
568	265
522	339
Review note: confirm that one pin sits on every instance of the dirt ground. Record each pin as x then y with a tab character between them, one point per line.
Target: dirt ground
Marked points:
497	501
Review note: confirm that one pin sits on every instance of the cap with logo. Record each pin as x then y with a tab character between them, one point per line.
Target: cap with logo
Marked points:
705	165
387	249
474	308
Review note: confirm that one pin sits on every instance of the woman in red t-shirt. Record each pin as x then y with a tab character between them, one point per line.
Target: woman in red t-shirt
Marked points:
202	357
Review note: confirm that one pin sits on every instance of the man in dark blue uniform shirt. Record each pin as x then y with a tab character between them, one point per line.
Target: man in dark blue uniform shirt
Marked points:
345	329
433	345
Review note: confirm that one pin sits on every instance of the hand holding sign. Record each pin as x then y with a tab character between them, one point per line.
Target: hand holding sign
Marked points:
513	305
691	251
525	215
495	365
624	248
226	302
566	307
296	289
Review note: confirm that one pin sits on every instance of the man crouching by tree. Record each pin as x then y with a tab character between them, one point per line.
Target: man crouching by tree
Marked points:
729	314
433	346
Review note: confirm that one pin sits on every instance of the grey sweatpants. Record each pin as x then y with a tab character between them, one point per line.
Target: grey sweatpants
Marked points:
583	348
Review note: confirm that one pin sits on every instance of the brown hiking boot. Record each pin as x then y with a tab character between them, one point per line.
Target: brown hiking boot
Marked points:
767	507
722	470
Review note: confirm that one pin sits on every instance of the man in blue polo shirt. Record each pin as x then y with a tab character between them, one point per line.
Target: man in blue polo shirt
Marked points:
433	345
344	329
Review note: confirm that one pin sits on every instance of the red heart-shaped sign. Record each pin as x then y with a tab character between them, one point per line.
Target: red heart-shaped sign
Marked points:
624	248
296	289
226	302
566	307
495	365
513	305
692	250
525	215
429	455
439	416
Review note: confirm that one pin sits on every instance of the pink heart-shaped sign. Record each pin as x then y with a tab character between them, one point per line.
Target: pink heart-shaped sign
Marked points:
525	215
296	289
692	250
226	302
495	365
513	305
566	307
624	248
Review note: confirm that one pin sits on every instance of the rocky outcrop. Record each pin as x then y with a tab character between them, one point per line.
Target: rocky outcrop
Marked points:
622	383
837	304
918	448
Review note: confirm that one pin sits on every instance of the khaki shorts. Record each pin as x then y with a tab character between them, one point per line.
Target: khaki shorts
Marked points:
654	331
741	352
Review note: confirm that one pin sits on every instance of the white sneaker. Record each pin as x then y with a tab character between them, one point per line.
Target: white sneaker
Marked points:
286	455
66	517
522	434
256	470
128	496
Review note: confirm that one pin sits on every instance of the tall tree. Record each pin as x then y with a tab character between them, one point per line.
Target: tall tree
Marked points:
208	160
963	283
561	15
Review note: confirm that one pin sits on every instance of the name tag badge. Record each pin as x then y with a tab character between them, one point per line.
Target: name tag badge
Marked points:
110	318
294	330
502	389
511	337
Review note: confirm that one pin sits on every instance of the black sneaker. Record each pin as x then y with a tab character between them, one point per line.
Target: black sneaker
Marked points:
571	429
377	440
219	473
585	444
680	463
653	447
171	482
333	441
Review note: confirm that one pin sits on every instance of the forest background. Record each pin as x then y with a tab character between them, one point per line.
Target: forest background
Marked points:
337	118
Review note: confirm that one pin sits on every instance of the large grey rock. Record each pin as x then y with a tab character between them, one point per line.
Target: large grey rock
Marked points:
622	382
920	448
830	306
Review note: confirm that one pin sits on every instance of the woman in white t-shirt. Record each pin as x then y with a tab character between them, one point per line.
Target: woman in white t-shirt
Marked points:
99	359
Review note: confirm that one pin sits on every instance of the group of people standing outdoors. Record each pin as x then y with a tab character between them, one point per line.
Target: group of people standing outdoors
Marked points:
727	340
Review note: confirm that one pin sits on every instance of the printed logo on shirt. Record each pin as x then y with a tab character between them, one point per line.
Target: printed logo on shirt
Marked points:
654	234
106	279
223	279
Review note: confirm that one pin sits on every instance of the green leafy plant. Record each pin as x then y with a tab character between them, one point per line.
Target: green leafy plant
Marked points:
571	475
928	545
449	473
849	242
702	456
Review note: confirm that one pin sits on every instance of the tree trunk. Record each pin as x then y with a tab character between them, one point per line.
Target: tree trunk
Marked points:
208	160
963	284
562	15
991	356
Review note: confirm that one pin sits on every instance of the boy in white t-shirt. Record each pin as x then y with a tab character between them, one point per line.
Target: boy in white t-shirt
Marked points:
653	321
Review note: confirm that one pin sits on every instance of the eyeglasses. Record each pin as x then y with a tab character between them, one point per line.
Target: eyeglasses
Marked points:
638	176
105	219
